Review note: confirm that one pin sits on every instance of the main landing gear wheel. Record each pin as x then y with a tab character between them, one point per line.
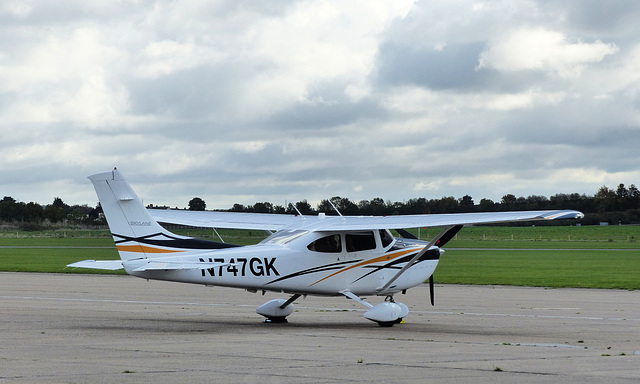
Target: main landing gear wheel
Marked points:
277	310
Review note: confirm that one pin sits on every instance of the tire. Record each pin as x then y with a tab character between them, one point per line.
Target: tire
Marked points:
386	324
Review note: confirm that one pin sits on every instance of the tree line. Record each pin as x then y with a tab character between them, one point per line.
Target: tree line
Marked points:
614	206
32	216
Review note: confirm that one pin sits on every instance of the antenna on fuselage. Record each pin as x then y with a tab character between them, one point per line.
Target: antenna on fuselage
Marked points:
334	207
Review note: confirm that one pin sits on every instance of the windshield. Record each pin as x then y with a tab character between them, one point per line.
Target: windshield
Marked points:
385	238
283	237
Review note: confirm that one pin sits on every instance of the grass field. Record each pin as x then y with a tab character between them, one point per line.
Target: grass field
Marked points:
546	268
587	257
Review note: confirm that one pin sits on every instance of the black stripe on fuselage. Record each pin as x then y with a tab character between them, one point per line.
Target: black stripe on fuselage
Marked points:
322	268
175	242
432	254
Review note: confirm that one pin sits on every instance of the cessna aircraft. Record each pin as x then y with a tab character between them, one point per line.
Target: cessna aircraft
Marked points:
321	255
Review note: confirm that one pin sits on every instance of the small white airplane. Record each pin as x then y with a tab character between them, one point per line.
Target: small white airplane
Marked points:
320	255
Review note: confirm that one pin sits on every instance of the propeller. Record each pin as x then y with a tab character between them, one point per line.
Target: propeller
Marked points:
439	241
444	239
406	234
431	291
418	255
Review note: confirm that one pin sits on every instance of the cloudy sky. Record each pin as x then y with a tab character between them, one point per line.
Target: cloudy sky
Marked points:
245	101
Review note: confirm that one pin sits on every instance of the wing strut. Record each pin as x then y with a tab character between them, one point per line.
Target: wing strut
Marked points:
297	210
334	207
219	237
446	234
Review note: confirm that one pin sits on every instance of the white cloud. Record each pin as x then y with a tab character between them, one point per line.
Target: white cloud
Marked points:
58	57
427	186
320	41
161	58
19	9
66	76
592	176
287	100
512	101
527	49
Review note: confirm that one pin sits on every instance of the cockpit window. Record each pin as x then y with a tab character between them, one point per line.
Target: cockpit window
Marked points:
385	238
360	241
327	244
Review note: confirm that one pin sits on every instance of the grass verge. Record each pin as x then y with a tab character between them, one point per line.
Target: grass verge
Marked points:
544	268
581	257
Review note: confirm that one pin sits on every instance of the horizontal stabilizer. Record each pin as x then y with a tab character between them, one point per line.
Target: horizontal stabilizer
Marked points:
109	265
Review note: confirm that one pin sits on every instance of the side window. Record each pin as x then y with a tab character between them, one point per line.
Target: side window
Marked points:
385	238
360	241
327	244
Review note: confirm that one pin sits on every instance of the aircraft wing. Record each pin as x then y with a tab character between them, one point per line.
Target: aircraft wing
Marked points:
232	220
439	220
275	222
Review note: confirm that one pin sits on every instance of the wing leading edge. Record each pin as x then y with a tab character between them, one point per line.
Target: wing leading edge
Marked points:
231	220
438	220
276	222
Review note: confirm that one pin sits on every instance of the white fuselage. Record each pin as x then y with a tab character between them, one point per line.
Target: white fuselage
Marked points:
291	267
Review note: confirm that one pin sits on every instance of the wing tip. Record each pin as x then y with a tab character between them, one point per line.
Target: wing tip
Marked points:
565	215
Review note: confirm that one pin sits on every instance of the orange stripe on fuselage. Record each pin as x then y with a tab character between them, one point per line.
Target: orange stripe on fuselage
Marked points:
143	249
384	257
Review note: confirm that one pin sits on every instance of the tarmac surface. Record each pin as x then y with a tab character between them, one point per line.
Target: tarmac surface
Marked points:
69	328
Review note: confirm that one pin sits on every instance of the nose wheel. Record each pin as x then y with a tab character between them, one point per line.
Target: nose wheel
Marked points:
386	314
404	310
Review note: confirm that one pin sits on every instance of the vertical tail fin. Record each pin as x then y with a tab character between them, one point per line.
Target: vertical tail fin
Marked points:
131	225
136	234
